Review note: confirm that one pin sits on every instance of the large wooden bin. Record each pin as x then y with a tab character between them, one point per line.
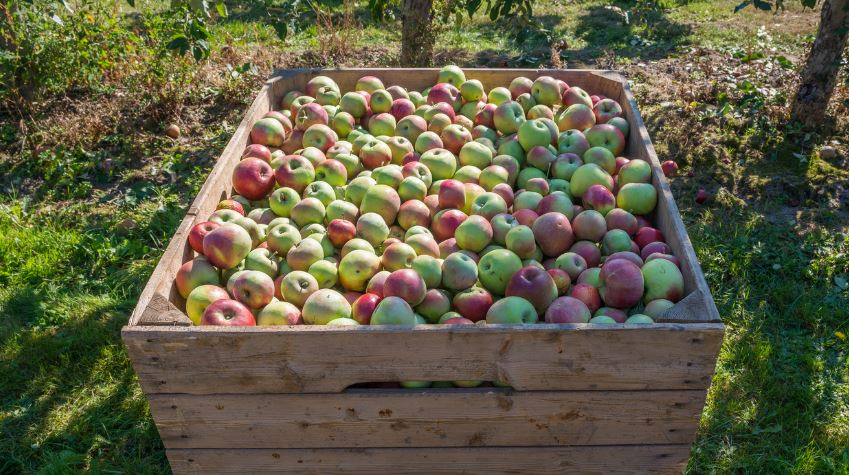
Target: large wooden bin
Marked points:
584	399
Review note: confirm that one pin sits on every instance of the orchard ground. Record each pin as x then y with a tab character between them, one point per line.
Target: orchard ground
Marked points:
92	190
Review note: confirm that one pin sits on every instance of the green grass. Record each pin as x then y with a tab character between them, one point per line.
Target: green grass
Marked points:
71	268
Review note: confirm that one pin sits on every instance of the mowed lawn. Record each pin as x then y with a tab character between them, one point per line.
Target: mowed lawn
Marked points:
79	240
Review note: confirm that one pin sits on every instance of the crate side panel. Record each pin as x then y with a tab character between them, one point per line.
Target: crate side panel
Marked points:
612	459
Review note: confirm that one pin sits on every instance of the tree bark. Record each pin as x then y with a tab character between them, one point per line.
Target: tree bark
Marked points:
417	33
820	74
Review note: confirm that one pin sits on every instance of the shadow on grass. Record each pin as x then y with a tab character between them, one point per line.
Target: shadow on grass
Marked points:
779	396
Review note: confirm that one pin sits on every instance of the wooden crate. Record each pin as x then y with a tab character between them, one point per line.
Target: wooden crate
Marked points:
584	398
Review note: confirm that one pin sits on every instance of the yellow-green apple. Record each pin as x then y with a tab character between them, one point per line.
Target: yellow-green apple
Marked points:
572	263
621	283
227	245
311	114
451	74
229	313
198	232
298	102
492	176
341	209
289	98
281	238
599	198
373	228
314	154
484	132
413	213
620	123
253	178
262	260
303	254
428	141
424	245
501	225
601	157
532	133
663	280
556	184
496	268
401	108
454	137
354	103
397	256
459	271
509	145
615	240
375	153
639	318
475	154
343	123
382	124
368	84
590	276
557	201
389	175
572	141
510	164
295	172
382	200
357	188
488	205
618	218
430	268
200	298
380	101
541	111
655	308
410	127
393	311
307	211
319	136
470	109
607	136
297	286
400	148
605	110
511	311
328	96
363	308
619	316
315	84
486	116
436	303
257	151
508	117
472	303
279	313
268	132
520	240
499	95
587	175
406	284
324	306
320	190
472	90
444	92
588	294
526	200
553	233
527	101
602	320
325	273
467	174
577	117
376	283
356	268
546	90
438	122
474	234
576	95
253	288
637	198
567	310
332	172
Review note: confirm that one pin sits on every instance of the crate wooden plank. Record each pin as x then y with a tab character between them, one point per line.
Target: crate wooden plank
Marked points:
319	359
611	459
428	418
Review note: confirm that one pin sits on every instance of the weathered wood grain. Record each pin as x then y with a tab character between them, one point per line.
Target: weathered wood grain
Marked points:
611	459
428	418
307	359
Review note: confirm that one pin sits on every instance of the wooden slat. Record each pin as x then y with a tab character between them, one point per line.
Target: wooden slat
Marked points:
303	359
428	418
623	459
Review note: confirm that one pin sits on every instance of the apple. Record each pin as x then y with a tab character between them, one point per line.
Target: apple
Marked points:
227	312
646	235
590	276
424	245
393	311
472	303
397	255
263	260
520	85
637	198
200	298
303	254
605	110
561	280
341	231
541	111
489	205
282	238
553	233
253	288
601	157
656	308
459	271
599	198
669	167
382	200
654	247
474	233
618	218
295	172
511	311
702	196
227	245
475	154
520	240
621	283
311	114
534	285
589	225
374	154
575	117
436	303
572	263
567	310
454	137
324	306
576	95
635	171
356	268
308	211
363	307
587	175
197	234
588	294
546	90
269	132
444	92
376	283
607	136
627	255
508	117
663	280
253	178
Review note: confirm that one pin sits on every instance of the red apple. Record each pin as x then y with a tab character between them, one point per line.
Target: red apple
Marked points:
253	178
227	313
198	232
363	307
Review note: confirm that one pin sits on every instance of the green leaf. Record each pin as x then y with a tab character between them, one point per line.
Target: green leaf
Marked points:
493	13
784	62
180	43
132	3
282	30
742	6
472	7
221	8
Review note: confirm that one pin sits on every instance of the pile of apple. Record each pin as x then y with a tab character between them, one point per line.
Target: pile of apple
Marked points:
453	205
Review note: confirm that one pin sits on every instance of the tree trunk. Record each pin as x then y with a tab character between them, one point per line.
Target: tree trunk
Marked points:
820	74
417	33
